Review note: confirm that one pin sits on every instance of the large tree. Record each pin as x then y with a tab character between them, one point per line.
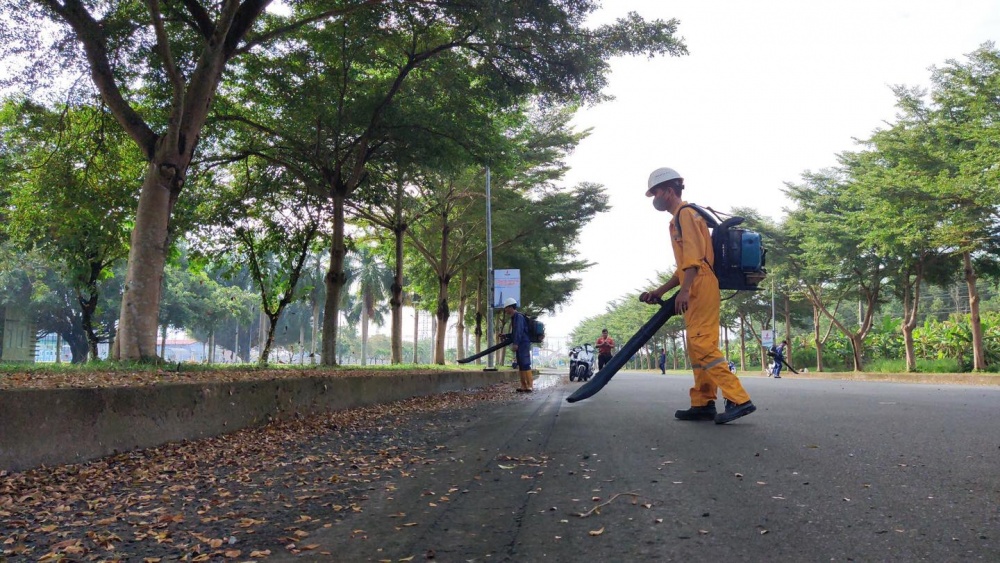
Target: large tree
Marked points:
346	92
157	67
273	235
964	112
895	180
832	258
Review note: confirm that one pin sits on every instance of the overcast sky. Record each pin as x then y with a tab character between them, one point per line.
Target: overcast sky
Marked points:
770	89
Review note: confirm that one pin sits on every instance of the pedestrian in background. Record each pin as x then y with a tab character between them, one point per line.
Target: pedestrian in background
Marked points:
605	346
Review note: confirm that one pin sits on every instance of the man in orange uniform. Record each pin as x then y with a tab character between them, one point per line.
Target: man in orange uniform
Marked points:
698	300
605	344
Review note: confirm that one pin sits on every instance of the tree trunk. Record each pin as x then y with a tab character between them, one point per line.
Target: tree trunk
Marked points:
442	319
365	297
480	303
396	301
500	354
265	348
140	306
687	360
463	300
163	343
911	305
78	347
857	349
88	306
416	334
315	328
673	348
978	354
817	339
743	344
302	345
788	329
262	328
334	281
866	310
725	332
444	277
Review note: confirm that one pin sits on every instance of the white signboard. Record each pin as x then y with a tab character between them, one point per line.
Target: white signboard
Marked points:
506	283
767	338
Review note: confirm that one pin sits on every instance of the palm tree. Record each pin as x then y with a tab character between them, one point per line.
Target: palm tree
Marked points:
372	280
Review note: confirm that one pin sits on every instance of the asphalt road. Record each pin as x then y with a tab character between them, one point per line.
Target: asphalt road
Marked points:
825	470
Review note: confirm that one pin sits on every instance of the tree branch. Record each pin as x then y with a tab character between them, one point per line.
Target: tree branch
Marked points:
203	22
88	32
250	43
163	48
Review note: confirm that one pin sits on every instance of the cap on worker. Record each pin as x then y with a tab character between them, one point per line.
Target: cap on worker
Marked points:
659	176
510	302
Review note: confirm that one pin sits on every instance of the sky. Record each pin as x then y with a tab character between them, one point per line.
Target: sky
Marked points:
769	90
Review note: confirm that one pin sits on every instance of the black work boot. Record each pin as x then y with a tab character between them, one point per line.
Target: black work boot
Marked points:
734	411
706	412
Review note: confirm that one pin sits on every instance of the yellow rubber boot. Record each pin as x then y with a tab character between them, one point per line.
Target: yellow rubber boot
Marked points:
526	380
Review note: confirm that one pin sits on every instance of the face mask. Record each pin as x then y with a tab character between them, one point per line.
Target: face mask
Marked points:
659	204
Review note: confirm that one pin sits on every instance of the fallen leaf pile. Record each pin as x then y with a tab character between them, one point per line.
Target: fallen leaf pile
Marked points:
86	377
241	496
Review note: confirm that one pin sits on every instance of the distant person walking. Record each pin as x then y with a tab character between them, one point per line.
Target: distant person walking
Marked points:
663	361
605	346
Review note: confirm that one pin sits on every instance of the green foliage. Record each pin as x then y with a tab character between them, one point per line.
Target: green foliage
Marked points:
952	339
70	189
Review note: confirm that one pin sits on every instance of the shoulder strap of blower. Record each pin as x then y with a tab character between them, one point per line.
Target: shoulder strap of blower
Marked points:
710	219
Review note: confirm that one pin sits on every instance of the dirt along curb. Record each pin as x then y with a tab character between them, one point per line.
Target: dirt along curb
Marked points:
71	425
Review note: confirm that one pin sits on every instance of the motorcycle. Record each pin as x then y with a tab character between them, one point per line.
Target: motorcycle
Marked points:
581	362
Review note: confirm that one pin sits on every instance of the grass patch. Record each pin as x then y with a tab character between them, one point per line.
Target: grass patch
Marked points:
945	365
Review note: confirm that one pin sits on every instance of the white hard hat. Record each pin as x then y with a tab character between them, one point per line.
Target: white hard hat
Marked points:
659	176
510	302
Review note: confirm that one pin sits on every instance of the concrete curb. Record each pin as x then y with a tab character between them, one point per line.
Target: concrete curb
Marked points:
58	426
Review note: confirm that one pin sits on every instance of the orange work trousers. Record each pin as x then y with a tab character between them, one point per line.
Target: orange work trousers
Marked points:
711	368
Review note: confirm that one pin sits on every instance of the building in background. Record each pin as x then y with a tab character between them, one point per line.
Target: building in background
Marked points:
17	335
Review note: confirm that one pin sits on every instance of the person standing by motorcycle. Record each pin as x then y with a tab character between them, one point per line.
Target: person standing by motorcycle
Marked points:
520	344
605	345
698	300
